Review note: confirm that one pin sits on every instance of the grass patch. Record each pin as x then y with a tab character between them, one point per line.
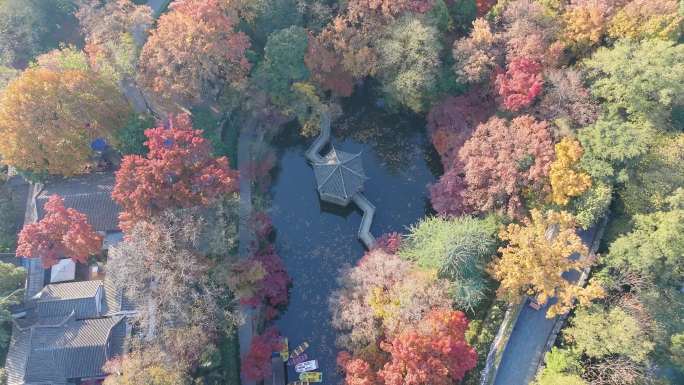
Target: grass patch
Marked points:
224	139
483	327
230	357
222	365
231	135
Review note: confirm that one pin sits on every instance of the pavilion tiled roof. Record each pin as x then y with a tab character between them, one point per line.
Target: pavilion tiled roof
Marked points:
339	176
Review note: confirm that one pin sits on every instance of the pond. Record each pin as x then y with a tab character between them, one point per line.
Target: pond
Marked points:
315	239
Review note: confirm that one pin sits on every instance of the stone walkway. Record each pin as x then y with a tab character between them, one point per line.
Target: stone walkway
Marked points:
245	234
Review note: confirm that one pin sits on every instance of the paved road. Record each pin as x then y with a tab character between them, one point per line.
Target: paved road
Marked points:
526	345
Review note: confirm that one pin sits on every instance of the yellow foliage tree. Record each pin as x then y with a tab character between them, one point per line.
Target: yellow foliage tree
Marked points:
586	21
566	180
641	19
538	253
49	117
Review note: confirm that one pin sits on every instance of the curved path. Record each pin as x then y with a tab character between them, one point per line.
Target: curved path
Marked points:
248	329
532	332
313	154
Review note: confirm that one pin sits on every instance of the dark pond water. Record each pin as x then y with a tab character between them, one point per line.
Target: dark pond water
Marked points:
315	239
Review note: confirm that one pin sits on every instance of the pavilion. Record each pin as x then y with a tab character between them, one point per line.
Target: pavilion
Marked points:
339	176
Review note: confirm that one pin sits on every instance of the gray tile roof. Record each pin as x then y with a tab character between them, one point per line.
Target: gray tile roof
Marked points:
56	353
85	299
35	277
61	299
69	290
339	176
115	300
15	364
89	194
81	307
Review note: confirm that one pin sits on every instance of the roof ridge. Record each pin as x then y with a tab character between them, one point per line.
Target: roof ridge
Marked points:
28	353
354	172
344	187
353	156
76	283
109	335
41	196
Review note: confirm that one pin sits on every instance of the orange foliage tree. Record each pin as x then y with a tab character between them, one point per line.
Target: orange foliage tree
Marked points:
565	97
380	296
530	33
349	39
48	119
63	232
177	172
433	353
195	51
476	55
326	67
502	160
388	8
356	370
114	32
346	47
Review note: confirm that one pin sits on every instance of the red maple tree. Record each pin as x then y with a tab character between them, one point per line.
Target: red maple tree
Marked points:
388	242
356	370
448	194
483	6
520	84
178	171
257	363
502	160
63	232
452	121
195	51
434	353
273	288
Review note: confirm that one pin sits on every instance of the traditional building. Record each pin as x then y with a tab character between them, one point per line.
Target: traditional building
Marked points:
66	333
89	194
339	176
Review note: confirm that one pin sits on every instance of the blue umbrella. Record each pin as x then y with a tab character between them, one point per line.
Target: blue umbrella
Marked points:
99	144
168	143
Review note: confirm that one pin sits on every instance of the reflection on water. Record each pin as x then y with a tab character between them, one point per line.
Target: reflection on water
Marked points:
315	238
